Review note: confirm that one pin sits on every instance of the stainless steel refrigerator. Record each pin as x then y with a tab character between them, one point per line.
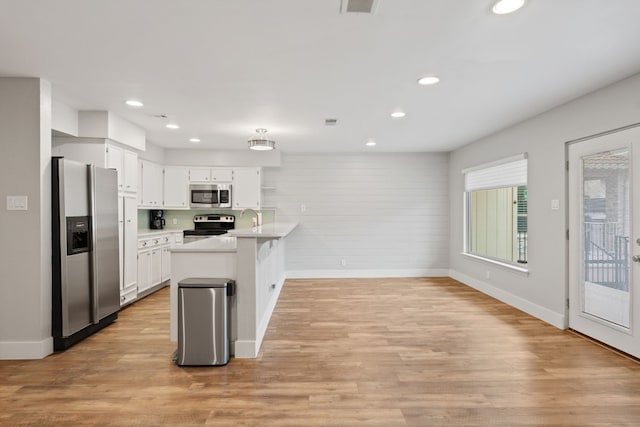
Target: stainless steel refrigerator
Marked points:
86	280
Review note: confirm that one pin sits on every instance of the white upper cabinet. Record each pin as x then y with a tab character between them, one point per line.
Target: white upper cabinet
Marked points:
151	183
200	174
114	161
126	163
130	166
203	174
221	174
176	187
246	188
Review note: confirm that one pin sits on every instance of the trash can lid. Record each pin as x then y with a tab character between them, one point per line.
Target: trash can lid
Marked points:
204	282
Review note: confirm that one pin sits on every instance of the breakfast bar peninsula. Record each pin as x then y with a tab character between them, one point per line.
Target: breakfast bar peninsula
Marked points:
254	258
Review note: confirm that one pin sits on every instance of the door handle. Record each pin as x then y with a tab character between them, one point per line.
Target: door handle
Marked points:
636	258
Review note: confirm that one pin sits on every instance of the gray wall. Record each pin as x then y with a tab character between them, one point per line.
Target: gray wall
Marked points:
544	291
25	255
385	214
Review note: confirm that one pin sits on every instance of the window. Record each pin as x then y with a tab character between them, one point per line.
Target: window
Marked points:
496	210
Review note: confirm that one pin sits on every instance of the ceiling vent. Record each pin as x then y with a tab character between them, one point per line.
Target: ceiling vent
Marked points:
358	6
330	122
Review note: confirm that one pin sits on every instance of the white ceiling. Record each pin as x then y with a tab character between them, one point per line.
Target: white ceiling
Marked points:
221	68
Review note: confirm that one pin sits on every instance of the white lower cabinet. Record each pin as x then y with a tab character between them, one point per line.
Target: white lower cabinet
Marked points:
166	263
154	259
144	270
156	266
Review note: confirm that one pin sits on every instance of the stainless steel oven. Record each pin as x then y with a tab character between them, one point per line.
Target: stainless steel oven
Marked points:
210	195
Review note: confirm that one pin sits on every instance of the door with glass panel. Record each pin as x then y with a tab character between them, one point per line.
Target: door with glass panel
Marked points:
604	244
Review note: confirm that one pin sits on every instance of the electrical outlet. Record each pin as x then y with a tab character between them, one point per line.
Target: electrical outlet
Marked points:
303	208
487	274
343	262
175	221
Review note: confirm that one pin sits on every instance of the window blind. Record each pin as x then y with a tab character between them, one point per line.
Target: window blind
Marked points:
501	174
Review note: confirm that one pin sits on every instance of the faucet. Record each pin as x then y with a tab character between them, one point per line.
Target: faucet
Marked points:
257	221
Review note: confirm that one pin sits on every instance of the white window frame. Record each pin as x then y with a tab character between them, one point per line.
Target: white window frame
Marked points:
507	172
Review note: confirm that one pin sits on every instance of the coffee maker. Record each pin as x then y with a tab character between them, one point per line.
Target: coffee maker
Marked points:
156	219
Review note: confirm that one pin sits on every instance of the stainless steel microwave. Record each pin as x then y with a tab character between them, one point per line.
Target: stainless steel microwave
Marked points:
210	195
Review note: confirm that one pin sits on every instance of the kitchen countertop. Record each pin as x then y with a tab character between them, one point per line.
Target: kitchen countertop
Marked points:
272	230
147	232
211	244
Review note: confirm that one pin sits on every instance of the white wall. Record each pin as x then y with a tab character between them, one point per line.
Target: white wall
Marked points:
385	214
64	119
240	157
543	292
152	153
25	257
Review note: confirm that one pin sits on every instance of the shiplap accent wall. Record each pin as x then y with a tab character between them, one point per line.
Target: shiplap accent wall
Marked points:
384	214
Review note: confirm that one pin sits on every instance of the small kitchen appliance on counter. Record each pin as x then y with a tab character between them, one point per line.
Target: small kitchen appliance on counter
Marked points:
209	225
156	219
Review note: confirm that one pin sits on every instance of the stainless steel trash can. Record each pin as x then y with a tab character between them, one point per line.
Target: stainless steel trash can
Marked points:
203	321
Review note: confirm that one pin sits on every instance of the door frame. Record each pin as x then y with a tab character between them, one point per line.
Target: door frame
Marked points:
634	330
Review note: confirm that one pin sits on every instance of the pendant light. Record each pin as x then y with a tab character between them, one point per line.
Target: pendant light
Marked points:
261	142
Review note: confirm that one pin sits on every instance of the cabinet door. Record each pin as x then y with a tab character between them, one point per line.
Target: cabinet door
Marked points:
121	231
130	168
246	188
221	174
200	174
156	266
166	263
130	244
144	270
176	187
115	161
151	184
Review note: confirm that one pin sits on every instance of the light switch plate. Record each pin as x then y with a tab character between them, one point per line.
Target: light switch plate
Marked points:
555	204
17	203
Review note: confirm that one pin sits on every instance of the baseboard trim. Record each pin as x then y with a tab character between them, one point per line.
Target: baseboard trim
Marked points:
352	274
23	350
535	310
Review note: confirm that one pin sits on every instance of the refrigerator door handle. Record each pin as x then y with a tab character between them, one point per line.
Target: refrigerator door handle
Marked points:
94	255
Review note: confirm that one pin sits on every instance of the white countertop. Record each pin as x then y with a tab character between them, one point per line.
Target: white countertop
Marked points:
272	230
210	244
147	232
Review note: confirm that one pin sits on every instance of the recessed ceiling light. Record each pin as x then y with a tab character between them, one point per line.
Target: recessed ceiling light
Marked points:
502	7
134	103
428	80
398	114
194	140
173	126
370	144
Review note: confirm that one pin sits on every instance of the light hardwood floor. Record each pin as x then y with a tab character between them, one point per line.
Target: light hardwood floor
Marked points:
382	352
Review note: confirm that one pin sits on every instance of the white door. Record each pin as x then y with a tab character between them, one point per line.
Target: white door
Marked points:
604	230
130	244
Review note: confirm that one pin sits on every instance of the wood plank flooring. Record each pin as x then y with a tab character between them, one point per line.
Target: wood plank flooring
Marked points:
339	352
